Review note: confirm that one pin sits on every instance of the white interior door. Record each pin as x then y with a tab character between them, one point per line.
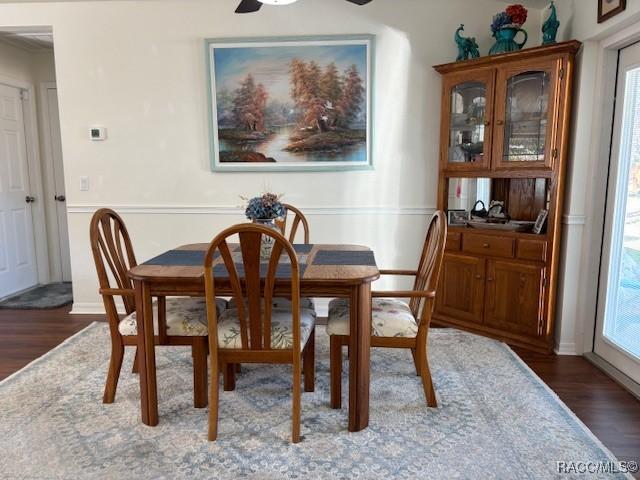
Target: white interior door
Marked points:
17	247
59	248
617	337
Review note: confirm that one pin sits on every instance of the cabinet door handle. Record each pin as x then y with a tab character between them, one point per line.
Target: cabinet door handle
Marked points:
60	198
485	245
499	122
487	123
29	199
489	279
479	277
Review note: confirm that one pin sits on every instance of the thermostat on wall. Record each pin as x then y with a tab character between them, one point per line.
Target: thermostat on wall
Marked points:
98	133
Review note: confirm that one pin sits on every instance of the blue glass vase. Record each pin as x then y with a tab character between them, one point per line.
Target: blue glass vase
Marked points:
505	40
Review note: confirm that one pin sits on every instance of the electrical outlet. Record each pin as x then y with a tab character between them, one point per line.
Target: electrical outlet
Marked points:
84	184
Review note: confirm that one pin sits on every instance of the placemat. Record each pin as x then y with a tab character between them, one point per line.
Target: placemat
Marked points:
179	258
345	257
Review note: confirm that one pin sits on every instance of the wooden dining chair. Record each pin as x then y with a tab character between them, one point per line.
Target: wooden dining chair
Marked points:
290	222
255	331
396	324
177	321
293	217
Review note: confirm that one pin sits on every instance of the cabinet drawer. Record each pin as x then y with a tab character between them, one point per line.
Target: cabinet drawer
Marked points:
532	250
453	241
488	245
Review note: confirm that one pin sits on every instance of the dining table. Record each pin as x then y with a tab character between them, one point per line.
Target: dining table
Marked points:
327	271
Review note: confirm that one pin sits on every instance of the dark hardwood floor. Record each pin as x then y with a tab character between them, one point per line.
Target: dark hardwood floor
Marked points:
28	334
611	413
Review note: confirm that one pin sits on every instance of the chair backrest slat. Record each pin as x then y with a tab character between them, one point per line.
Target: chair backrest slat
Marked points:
111	244
253	291
297	219
428	271
250	248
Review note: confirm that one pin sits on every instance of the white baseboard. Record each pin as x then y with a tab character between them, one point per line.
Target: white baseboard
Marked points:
80	308
566	348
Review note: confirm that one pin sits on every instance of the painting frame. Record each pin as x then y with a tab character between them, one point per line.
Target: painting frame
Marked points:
211	44
603	17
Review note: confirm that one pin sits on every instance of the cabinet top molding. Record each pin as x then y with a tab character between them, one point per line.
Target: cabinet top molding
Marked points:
571	46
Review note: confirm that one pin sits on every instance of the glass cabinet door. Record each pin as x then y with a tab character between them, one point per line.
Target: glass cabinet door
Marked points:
525	109
470	103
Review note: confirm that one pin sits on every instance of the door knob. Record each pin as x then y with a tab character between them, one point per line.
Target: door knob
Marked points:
60	198
29	199
499	122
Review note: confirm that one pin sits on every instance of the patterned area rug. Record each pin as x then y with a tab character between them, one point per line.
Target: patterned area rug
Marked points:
496	420
42	297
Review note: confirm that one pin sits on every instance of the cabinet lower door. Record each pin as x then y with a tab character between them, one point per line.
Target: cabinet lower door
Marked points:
461	293
514	297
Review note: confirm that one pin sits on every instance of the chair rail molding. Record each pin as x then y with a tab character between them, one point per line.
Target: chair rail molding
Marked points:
571	219
235	210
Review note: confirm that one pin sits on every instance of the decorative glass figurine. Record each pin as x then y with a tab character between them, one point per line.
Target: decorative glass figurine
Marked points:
550	27
467	47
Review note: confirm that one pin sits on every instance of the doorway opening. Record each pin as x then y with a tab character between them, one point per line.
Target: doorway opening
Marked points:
617	332
35	267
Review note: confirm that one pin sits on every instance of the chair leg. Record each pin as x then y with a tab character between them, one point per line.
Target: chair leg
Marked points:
136	359
297	393
425	373
115	364
199	353
335	367
229	374
309	363
415	361
214	390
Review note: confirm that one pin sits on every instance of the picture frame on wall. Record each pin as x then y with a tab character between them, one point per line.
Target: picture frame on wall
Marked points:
458	217
610	8
290	103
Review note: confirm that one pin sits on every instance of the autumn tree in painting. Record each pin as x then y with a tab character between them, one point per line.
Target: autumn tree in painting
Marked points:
352	94
249	105
326	99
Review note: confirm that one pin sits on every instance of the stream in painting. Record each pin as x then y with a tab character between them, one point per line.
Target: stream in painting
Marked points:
274	147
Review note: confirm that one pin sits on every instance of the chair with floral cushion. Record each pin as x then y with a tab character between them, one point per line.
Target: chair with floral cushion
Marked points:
396	324
177	321
255	331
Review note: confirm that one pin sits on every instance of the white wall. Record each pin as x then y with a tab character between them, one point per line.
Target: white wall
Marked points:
138	68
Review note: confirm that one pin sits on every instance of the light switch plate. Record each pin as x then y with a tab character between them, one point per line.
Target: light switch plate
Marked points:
84	184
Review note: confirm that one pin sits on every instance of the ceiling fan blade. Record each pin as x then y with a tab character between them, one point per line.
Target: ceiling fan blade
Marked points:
359	2
248	6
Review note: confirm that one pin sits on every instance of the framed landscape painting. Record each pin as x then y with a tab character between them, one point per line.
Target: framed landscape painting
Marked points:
290	104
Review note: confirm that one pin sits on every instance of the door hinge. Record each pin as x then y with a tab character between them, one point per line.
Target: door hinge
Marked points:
561	73
554	153
24	94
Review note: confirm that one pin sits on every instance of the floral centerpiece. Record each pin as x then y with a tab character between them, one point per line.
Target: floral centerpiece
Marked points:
505	27
265	207
264	210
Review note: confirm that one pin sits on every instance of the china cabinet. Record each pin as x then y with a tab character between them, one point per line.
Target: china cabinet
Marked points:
504	137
